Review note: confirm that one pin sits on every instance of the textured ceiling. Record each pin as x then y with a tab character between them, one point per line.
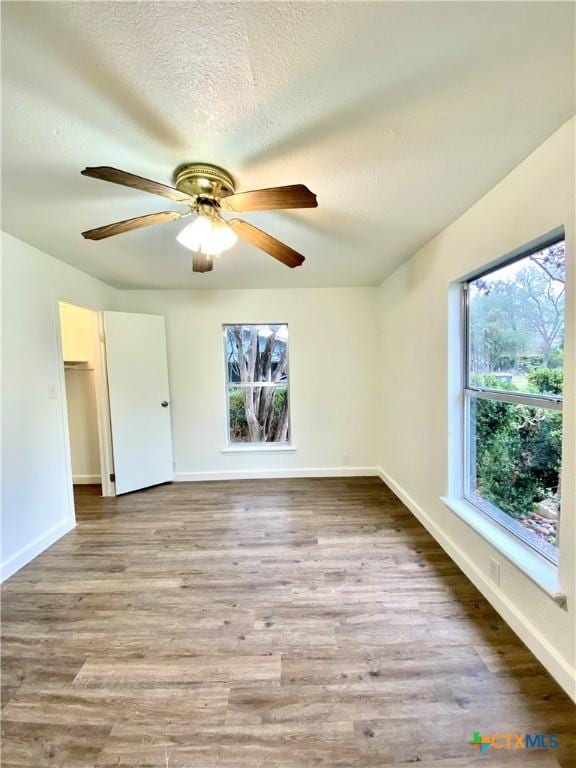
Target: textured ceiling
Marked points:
399	115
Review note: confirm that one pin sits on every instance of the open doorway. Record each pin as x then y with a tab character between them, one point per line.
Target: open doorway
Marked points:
117	417
86	399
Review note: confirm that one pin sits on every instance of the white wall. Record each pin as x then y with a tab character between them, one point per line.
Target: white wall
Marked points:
36	503
413	308
83	426
333	376
78	329
76	324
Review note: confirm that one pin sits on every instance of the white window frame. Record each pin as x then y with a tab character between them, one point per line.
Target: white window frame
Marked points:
549	402
261	447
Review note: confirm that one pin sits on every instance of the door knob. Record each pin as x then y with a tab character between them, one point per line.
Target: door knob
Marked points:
164	403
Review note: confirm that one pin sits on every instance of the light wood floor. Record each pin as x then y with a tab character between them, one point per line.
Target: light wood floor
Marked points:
283	623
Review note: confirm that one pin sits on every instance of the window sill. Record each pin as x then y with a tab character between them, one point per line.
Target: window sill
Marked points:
539	570
283	448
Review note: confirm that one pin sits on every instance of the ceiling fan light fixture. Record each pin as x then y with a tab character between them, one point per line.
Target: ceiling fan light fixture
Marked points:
209	235
207	189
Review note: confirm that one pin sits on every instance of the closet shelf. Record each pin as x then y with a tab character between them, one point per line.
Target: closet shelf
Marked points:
77	365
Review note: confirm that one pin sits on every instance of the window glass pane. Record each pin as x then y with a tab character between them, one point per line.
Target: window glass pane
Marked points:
258	414
256	353
257	383
514	468
516	325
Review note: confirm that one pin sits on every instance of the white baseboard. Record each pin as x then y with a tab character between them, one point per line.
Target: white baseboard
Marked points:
536	642
265	474
34	548
86	479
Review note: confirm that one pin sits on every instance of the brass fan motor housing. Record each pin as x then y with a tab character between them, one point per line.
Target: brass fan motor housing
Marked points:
204	181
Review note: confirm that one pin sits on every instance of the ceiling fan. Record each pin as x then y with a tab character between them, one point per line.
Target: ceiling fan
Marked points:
208	190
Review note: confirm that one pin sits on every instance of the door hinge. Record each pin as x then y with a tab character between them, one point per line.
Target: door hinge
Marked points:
112	477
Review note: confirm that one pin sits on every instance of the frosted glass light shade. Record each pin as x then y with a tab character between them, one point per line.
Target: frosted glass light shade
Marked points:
208	235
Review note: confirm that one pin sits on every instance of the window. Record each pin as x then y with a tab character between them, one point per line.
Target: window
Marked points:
513	394
257	398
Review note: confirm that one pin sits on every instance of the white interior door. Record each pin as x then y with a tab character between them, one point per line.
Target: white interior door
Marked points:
139	399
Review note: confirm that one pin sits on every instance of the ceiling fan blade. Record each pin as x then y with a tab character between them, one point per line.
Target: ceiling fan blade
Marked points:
127	226
276	198
116	176
267	243
202	263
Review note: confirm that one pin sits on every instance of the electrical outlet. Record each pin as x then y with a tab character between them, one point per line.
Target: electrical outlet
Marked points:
495	571
345	459
52	392
174	466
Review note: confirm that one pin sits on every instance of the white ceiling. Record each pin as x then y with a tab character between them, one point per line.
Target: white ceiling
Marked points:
399	115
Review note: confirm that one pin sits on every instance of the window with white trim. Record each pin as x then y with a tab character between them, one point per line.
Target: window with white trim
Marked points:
257	387
514	340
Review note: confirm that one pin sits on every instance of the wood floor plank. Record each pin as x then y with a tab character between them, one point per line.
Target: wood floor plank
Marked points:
289	745
414	739
262	624
537	759
45	745
347	701
179	670
73	704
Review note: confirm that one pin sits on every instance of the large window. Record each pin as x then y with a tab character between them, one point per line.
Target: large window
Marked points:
258	405
513	394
